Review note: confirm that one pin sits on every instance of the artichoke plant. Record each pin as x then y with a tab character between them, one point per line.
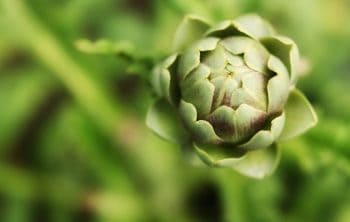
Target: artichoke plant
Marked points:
228	94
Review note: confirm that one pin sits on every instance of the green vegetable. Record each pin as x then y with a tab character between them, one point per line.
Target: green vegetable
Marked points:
228	94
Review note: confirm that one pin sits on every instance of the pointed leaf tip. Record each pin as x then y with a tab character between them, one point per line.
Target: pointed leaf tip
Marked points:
300	116
190	29
254	26
256	164
162	120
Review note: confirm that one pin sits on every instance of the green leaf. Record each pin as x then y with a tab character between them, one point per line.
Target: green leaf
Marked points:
224	29
205	157
248	25
190	29
188	112
256	57
105	47
254	26
278	87
256	164
163	120
201	130
286	50
237	44
265	138
200	94
207	44
163	81
300	116
189	60
235	125
212	154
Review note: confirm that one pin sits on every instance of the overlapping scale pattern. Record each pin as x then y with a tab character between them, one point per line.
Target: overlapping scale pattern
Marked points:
227	82
233	87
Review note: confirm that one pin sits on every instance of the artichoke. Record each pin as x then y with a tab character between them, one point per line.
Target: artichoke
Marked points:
228	94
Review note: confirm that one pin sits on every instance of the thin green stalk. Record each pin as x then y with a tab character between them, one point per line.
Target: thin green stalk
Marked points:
232	194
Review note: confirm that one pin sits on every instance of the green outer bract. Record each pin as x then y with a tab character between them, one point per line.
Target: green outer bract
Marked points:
229	91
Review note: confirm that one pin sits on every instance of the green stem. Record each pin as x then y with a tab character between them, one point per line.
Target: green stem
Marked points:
232	195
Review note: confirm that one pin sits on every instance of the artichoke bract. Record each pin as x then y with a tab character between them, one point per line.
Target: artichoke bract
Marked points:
228	93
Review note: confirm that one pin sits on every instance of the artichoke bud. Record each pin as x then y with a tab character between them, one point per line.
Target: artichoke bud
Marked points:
230	85
230	92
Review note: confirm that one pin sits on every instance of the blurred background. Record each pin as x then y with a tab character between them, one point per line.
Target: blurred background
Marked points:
74	146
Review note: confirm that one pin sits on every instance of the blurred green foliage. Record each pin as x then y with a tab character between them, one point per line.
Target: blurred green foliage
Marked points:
73	145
